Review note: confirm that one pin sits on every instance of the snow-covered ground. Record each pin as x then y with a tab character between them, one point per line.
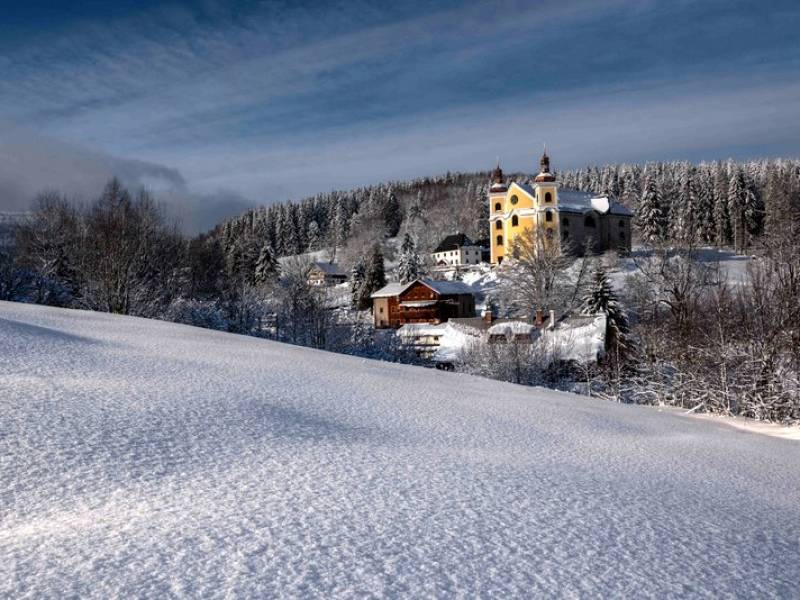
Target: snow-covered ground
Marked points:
142	458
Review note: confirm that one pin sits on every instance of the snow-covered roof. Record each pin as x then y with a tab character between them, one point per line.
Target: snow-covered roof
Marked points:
512	328
330	268
577	201
443	288
421	329
581	339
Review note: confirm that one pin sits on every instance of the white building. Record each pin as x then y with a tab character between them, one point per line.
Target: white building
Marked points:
455	251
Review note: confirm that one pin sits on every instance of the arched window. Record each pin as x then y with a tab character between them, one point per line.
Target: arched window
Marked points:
564	222
514	199
514	221
588	221
498	224
497	206
548	216
548	197
499	240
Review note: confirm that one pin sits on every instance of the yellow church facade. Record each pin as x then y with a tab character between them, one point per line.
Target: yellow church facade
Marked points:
566	218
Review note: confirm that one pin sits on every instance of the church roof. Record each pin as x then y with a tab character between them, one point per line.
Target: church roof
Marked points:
453	242
579	202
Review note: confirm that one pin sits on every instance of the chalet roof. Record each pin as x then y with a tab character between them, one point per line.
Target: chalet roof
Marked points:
330	268
443	288
454	242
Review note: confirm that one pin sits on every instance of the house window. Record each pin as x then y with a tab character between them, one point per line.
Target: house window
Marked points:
548	216
499	240
381	310
514	199
514	221
588	221
498	225
548	197
497	206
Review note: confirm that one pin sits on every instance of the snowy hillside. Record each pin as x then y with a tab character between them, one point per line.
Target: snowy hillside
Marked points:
142	458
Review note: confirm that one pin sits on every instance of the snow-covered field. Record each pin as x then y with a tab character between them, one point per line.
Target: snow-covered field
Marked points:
148	459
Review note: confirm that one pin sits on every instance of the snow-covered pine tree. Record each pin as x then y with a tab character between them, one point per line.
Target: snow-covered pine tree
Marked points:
357	275
601	298
649	214
736	205
392	214
753	209
408	268
685	222
704	214
722	220
374	275
313	236
267	267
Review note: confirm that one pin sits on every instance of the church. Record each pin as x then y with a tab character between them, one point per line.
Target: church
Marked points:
569	219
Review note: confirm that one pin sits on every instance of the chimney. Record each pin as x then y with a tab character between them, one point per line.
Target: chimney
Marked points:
552	322
539	317
487	315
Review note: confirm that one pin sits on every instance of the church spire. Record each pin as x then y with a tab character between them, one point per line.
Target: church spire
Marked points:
498	182
544	168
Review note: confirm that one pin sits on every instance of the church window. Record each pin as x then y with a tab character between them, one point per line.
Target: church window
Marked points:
498	224
548	197
499	240
497	206
588	221
548	216
514	199
514	221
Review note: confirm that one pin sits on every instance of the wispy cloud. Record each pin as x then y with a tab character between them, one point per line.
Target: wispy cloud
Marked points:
271	99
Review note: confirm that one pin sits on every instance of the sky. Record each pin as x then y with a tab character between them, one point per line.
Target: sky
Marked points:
216	106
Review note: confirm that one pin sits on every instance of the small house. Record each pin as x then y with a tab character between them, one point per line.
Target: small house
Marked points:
326	274
421	301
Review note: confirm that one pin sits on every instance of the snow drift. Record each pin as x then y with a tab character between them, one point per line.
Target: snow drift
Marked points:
142	458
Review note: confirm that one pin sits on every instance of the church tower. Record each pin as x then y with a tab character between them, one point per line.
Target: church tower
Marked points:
498	190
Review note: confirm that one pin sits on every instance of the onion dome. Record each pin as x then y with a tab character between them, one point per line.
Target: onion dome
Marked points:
544	169
498	183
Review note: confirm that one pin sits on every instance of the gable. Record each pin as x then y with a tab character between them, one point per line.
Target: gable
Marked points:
419	291
526	198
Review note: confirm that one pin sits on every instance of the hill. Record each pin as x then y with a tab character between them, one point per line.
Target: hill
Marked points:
153	459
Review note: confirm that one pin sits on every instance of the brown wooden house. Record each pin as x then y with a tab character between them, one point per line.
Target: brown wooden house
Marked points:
421	301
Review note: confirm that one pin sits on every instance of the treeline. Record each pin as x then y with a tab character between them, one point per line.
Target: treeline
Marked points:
721	203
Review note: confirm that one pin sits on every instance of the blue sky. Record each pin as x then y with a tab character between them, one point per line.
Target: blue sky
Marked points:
216	105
